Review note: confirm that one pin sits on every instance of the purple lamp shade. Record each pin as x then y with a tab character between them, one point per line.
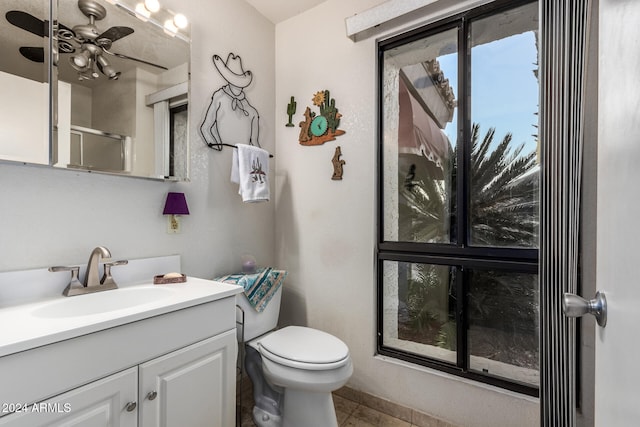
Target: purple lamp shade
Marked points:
176	205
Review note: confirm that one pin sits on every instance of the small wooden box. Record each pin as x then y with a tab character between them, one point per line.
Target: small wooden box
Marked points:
161	280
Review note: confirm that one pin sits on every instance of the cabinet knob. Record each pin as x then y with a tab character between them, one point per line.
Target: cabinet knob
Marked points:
131	406
152	395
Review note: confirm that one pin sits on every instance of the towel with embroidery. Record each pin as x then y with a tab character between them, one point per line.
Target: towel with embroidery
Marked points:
259	287
250	169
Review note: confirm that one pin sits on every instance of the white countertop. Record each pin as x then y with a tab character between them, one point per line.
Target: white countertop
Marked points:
23	327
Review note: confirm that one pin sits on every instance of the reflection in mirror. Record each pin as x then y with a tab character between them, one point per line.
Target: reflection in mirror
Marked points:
117	85
118	77
24	83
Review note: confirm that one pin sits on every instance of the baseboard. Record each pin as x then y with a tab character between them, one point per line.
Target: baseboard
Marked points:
416	418
412	416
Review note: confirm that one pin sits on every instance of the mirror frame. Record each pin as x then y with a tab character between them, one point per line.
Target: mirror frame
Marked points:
180	91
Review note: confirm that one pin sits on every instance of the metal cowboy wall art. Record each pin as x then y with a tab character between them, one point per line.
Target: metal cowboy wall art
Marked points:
230	119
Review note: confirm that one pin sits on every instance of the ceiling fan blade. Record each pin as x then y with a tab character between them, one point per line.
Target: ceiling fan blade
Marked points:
35	54
28	22
115	33
36	26
119	55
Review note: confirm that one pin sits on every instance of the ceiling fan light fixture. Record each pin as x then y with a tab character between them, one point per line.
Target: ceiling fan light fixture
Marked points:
75	67
81	61
91	68
107	69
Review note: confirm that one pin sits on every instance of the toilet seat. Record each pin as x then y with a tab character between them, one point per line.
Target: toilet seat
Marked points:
304	348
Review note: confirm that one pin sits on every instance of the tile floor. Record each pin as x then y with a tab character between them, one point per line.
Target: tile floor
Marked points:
348	412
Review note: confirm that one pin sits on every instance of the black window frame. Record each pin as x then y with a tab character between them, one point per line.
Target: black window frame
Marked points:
457	254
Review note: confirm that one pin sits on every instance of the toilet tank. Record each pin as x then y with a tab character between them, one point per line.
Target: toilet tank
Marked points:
256	324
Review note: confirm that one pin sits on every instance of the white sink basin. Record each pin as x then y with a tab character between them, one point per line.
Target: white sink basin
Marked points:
52	320
102	302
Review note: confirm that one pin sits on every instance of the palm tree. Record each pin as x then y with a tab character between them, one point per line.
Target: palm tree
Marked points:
502	197
503	211
503	201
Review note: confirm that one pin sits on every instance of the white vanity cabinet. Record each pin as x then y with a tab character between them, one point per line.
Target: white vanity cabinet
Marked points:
193	386
190	387
100	403
174	368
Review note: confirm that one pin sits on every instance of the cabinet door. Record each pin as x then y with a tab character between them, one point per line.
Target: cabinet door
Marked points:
194	386
102	403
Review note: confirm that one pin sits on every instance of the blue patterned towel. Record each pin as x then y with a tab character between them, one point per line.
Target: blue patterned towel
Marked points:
259	287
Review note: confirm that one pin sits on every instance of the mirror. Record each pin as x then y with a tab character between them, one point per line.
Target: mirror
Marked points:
24	112
120	93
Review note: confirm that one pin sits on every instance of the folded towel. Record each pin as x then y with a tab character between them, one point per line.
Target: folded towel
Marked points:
260	287
250	169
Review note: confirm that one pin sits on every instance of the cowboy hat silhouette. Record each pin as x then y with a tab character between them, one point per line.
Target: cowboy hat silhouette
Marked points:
231	70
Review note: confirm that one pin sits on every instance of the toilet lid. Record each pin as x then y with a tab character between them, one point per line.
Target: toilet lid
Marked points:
306	345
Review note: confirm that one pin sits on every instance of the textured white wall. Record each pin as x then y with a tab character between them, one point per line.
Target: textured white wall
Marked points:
52	217
325	230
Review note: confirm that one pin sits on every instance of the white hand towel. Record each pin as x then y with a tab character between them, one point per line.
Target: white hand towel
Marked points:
250	169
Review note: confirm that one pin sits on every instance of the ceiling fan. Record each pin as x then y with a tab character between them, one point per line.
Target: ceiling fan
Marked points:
86	42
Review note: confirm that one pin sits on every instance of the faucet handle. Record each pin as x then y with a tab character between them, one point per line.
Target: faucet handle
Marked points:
74	283
107	279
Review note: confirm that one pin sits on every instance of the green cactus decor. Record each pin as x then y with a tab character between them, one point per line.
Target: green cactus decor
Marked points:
291	110
316	129
329	110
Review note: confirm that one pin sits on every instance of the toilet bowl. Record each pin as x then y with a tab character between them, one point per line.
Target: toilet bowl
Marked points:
293	371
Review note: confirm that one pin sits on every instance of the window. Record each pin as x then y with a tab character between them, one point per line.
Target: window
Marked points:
178	142
458	216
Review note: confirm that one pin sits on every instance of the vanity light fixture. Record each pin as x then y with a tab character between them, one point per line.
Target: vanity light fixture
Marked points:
176	204
142	12
180	21
173	22
173	25
170	28
145	9
152	5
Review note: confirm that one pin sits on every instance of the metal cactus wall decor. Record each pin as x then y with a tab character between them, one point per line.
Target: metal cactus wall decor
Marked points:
316	129
338	165
291	110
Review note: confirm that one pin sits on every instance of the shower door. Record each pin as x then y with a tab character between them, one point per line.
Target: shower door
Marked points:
617	401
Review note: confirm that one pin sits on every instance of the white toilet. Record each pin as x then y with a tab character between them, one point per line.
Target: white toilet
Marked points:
293	369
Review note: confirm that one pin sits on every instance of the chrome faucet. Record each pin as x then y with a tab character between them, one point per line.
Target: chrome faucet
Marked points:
92	276
92	281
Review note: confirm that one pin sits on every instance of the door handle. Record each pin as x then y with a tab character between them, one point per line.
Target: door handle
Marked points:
576	306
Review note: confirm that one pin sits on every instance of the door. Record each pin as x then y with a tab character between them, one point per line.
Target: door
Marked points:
193	386
617	377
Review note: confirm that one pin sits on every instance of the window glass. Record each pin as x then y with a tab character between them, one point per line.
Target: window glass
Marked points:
420	306
178	141
459	200
503	324
419	139
504	172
